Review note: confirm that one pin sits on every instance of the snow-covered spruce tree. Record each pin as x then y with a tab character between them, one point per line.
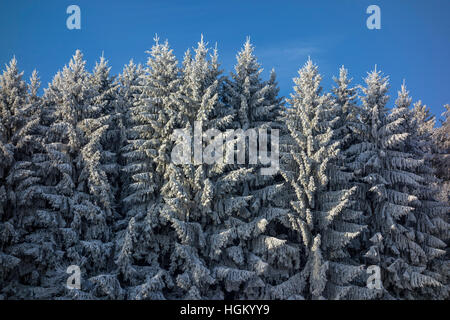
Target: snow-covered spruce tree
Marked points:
128	93
75	144
346	130
102	129
389	173
27	230
421	124
21	251
107	100
102	180
250	245
143	249
346	111
12	99
431	227
323	216
190	193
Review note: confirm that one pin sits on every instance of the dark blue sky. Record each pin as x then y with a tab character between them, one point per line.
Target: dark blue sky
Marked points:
413	43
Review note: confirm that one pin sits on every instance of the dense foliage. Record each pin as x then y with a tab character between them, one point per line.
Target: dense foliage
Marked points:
87	179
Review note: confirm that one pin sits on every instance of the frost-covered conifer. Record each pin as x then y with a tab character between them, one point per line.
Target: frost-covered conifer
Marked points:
250	243
13	96
347	129
31	225
190	192
128	93
106	98
323	217
394	191
431	227
143	254
76	146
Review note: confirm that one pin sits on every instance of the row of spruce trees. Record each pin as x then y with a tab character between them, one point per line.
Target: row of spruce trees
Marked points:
86	179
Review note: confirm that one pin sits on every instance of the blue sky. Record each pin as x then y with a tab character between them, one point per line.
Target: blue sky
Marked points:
413	43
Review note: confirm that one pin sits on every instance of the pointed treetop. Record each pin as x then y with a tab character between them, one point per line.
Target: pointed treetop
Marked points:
12	68
403	89
103	61
376	76
35	84
201	50
247	50
12	64
422	109
343	80
215	49
78	56
403	99
76	63
133	67
12	94
12	77
101	65
308	79
343	91
101	74
247	42
34	81
202	42
131	73
187	55
34	76
159	48
343	73
247	62
309	67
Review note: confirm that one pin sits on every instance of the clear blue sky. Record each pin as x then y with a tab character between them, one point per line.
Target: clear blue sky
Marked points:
413	43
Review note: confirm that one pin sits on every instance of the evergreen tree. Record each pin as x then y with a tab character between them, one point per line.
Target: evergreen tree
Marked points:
431	227
20	182
102	181
12	95
393	185
249	244
29	238
189	194
347	129
128	92
323	215
143	254
76	147
127	95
